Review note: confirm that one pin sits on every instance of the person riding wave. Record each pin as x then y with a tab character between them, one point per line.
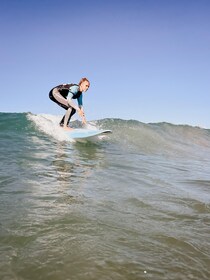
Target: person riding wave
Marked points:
63	95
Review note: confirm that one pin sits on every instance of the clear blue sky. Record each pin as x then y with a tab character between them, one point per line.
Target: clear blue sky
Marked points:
147	60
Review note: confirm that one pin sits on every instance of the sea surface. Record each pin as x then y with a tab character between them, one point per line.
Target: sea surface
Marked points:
134	204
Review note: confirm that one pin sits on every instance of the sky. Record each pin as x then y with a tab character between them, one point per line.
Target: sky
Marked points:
147	60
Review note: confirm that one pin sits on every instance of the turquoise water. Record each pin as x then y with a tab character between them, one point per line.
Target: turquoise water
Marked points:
131	205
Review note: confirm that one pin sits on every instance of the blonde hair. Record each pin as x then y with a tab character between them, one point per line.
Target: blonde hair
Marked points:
83	80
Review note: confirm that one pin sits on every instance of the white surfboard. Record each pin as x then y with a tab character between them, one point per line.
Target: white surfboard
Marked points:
80	133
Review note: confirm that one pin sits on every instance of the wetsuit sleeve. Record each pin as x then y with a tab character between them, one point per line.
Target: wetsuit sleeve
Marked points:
72	90
79	100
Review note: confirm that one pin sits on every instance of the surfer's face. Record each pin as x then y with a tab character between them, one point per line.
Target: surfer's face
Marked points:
84	86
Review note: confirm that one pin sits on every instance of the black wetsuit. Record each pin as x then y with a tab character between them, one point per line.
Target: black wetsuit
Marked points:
60	97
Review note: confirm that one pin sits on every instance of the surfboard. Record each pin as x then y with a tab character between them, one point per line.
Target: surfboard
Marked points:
80	133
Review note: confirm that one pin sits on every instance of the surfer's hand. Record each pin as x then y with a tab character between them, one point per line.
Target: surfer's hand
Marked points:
81	114
84	120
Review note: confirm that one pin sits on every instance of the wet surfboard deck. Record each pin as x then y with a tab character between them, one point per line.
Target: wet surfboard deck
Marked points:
80	133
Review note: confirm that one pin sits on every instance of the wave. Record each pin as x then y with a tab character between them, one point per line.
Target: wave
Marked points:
161	138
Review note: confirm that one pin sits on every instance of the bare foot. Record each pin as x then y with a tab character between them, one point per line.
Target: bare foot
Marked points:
68	128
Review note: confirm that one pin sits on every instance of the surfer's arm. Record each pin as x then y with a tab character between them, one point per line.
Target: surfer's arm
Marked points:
79	108
80	104
73	90
83	115
73	105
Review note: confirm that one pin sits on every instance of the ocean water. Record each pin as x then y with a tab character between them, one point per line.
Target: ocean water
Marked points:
131	205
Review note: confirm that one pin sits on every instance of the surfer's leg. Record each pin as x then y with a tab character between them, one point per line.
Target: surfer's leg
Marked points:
68	116
73	111
62	121
61	101
70	112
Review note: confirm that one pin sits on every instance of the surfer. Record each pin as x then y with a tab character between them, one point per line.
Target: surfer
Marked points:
63	95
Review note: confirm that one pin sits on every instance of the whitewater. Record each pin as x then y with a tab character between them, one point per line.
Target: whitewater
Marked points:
134	204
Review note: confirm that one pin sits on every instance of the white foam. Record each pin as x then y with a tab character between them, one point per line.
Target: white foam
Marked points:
49	124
